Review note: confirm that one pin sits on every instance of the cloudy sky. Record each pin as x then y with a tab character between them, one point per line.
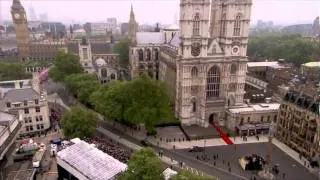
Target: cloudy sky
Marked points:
163	11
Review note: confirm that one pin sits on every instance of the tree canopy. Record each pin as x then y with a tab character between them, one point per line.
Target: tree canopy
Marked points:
64	65
141	100
122	48
82	86
143	165
13	71
78	122
294	49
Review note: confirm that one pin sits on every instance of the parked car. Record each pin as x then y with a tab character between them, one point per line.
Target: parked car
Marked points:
145	143
196	149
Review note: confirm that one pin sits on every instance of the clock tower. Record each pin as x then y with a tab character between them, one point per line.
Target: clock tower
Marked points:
21	27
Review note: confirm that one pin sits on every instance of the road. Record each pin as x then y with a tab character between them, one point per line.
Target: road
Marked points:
182	157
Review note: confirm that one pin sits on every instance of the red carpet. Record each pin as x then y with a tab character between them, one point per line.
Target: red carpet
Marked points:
223	135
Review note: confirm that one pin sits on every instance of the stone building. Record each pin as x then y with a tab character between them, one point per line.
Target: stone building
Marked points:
29	50
298	123
253	118
32	108
205	63
97	57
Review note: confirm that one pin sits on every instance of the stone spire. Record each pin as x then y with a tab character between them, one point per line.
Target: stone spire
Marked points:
133	26
316	27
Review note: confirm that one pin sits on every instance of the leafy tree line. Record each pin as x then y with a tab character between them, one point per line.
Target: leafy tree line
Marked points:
145	165
294	48
13	71
140	101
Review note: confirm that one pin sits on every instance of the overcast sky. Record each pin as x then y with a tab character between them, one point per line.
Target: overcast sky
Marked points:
163	11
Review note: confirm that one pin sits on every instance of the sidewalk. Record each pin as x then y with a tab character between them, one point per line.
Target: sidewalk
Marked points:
217	142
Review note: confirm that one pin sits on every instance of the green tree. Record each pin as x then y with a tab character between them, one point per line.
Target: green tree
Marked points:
148	102
187	175
82	86
122	48
111	100
78	122
294	49
64	65
143	165
13	71
141	100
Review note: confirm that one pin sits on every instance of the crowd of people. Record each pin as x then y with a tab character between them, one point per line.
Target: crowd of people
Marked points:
110	148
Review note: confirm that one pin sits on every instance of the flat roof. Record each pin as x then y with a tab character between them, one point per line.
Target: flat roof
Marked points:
256	108
263	64
312	64
91	162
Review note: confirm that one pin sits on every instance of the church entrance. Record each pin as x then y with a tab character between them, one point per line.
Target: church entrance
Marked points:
213	118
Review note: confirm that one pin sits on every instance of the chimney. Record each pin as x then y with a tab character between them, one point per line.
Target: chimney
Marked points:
267	100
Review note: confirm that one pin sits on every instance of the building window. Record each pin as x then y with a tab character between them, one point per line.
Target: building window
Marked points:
196	25
38	126
37	109
85	53
213	82
275	118
237	26
25	120
41	126
140	52
148	55
8	105
156	54
26	111
25	103
233	70
223	25
194	105
40	118
113	76
104	72
248	119
16	105
261	118
37	118
31	128
30	119
36	101
268	118
27	128
194	72
194	90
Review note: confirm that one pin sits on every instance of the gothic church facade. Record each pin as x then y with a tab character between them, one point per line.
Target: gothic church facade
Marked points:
205	63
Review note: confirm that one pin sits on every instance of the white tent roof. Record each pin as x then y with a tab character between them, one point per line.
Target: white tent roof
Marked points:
91	162
169	173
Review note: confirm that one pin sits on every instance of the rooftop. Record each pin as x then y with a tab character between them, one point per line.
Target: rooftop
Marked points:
263	64
20	95
96	48
4	116
150	37
90	161
172	27
312	64
257	107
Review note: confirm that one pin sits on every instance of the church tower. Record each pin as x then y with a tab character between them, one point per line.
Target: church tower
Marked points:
21	27
212	64
194	25
133	27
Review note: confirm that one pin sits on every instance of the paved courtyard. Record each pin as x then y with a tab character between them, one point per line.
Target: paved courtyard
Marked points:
229	154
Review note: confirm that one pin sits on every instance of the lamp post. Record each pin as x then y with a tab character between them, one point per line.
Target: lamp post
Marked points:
266	172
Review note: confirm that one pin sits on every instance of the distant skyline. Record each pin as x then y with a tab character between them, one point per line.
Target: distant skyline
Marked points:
152	11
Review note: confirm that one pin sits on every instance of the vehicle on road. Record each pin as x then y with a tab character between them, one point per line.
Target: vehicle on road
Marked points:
196	149
145	143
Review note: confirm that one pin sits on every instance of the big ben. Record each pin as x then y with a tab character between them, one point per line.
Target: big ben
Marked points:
21	27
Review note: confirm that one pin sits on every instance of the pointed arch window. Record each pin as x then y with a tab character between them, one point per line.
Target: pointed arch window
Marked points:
148	55
140	52
237	26
196	25
104	73
223	25
213	82
194	105
233	70
194	72
156	54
